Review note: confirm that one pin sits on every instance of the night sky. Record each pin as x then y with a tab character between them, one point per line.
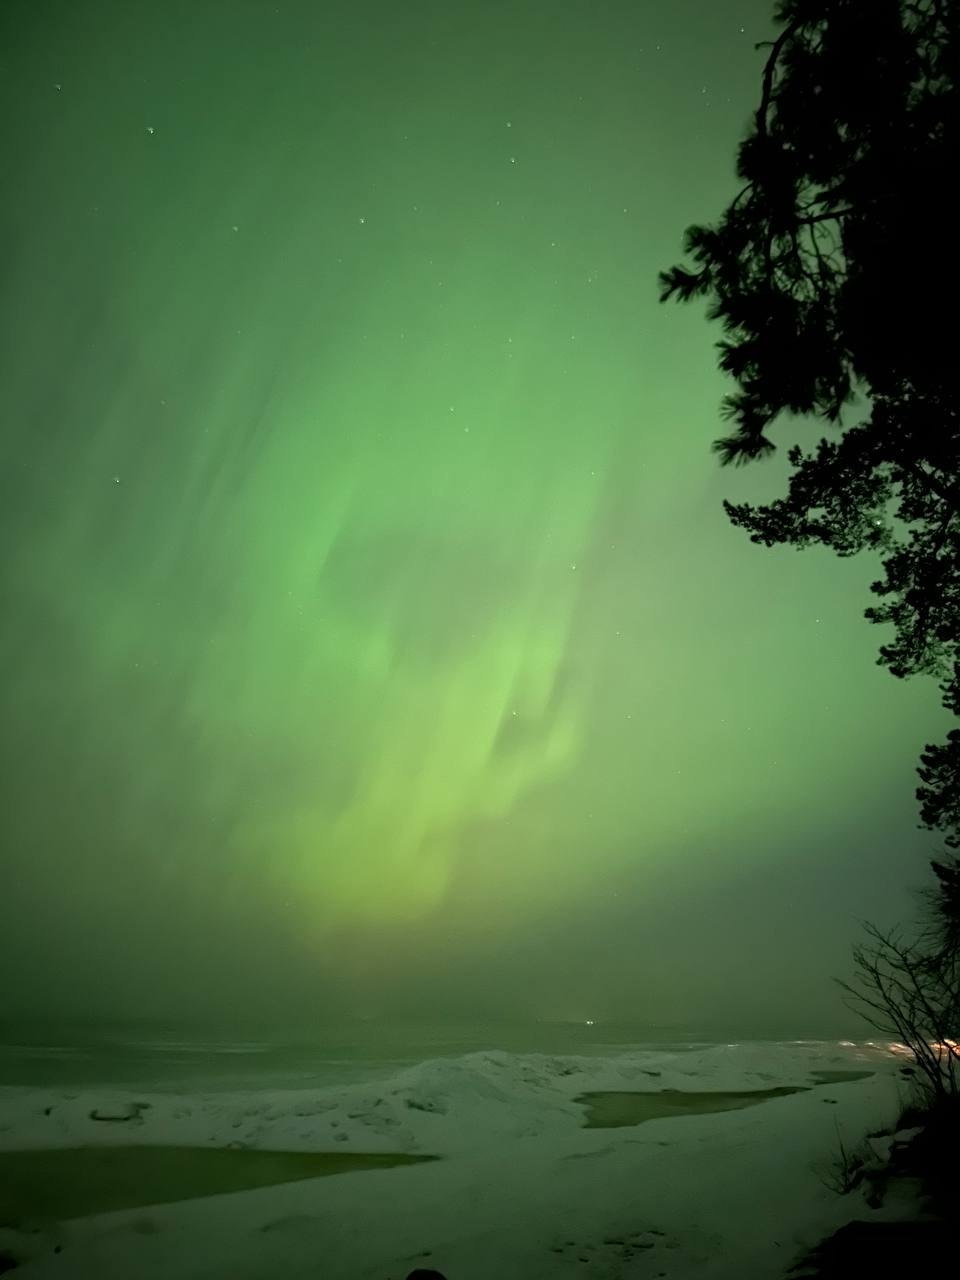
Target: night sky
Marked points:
373	638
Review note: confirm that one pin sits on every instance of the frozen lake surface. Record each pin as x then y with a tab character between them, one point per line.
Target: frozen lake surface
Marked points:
550	1165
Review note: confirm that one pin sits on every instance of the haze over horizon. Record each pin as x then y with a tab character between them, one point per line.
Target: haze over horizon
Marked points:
374	639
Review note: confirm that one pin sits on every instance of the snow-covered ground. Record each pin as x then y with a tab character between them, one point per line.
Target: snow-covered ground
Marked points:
523	1192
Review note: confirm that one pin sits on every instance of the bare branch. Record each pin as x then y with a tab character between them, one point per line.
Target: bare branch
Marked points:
786	34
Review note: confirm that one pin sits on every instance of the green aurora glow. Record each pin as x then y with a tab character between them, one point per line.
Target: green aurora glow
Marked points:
374	637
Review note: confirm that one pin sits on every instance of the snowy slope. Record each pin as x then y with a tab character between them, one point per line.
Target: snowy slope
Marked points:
523	1191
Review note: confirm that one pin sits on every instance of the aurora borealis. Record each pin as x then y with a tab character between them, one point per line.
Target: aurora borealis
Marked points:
373	637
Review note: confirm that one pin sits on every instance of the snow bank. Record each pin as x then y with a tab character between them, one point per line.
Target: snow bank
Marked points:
524	1190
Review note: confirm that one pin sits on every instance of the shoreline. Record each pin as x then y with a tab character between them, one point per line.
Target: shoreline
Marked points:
680	1162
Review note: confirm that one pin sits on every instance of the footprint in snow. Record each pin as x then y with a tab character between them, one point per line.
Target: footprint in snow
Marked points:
612	1250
